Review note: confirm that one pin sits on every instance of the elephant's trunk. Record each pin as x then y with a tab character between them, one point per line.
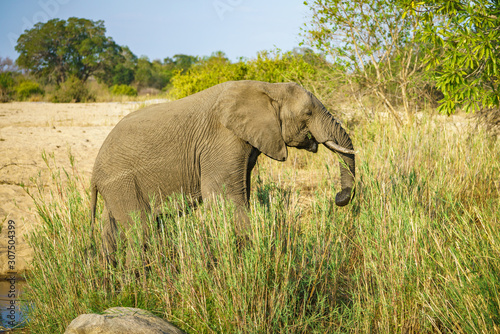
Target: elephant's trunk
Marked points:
346	179
331	134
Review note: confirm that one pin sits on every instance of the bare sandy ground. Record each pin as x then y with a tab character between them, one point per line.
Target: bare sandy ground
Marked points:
26	130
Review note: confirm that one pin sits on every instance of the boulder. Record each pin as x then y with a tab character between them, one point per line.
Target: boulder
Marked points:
121	320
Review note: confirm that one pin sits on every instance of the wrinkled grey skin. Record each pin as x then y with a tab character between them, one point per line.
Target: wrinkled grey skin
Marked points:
208	143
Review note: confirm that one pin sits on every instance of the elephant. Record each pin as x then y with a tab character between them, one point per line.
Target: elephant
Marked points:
207	144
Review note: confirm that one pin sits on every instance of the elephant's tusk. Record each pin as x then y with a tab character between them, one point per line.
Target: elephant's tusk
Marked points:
331	145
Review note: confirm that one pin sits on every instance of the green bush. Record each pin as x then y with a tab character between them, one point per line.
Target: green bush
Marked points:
205	74
26	89
123	90
6	86
72	90
280	67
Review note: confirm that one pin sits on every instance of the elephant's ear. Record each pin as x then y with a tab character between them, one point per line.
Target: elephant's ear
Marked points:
245	108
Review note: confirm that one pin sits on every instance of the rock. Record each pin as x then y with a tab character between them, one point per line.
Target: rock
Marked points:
121	320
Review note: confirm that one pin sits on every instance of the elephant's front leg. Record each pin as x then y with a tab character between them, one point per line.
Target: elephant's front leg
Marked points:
228	174
211	189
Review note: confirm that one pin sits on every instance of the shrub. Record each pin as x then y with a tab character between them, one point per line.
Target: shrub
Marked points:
123	90
6	86
280	67
73	90
26	89
206	74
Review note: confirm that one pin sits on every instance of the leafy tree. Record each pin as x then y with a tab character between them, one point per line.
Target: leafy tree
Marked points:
370	44
465	58
161	74
144	72
121	74
58	49
122	69
180	62
158	74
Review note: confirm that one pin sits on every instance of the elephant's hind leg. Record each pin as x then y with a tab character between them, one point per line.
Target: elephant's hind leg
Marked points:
109	234
127	220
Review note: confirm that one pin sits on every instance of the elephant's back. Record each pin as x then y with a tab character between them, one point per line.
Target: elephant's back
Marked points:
141	135
163	116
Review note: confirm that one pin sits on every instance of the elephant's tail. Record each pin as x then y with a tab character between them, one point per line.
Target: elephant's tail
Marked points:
93	206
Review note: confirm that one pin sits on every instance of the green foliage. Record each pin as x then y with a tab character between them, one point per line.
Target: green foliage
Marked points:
207	73
121	75
123	90
157	74
28	88
466	56
121	71
6	86
180	62
150	74
58	49
72	90
372	48
418	250
280	67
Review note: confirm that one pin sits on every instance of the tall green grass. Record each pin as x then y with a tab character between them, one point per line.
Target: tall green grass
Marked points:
417	251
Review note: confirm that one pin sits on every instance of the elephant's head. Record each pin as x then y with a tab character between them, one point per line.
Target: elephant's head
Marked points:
273	116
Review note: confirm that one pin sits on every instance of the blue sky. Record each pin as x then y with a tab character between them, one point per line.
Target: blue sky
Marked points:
160	29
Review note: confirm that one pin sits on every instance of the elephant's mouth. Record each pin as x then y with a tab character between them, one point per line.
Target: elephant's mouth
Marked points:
311	147
310	144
